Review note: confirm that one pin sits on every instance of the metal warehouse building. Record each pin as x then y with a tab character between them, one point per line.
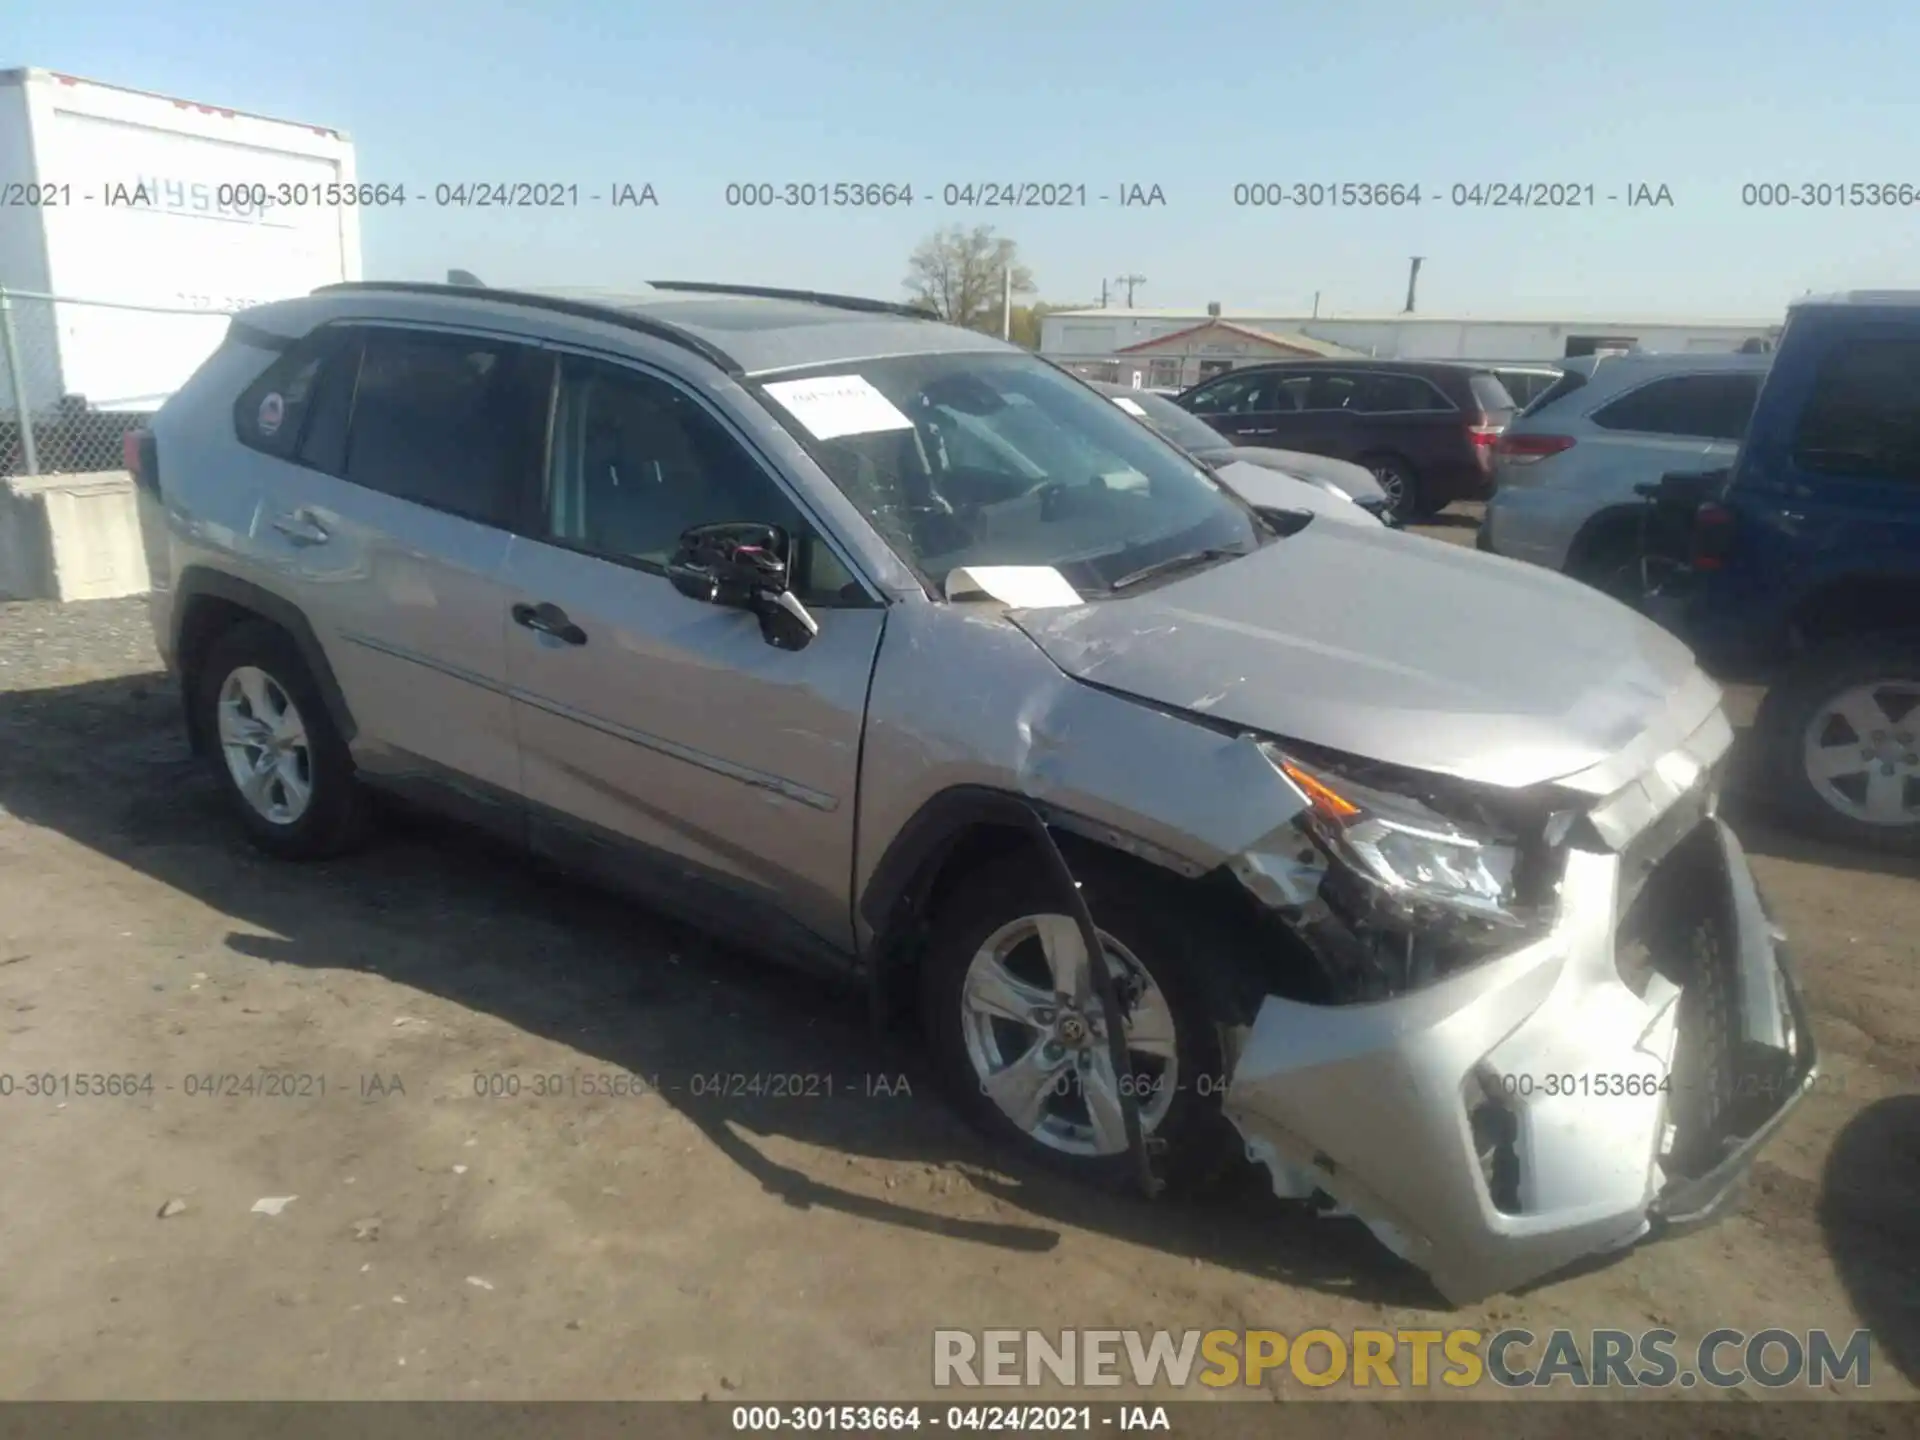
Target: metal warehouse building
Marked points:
1181	347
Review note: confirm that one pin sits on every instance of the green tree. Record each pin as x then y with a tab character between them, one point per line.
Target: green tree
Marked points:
960	274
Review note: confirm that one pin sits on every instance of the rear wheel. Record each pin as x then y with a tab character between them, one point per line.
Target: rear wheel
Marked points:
1842	735
1615	563
1402	487
273	748
1019	1038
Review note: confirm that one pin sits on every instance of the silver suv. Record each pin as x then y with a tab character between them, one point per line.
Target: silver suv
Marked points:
1194	832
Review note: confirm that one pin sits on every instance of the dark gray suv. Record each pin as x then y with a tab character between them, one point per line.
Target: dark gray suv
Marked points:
890	649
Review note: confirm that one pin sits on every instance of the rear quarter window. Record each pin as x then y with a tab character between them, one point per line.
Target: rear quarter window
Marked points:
1863	417
272	412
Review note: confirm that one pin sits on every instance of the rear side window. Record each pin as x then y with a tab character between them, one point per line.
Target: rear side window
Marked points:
450	421
1393	394
1714	407
272	413
1863	418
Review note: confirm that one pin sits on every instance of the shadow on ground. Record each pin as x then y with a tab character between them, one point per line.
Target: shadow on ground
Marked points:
1870	1215
442	910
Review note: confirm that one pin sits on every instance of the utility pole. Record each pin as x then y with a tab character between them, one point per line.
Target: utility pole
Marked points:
1103	294
1316	304
1413	281
1130	281
1006	303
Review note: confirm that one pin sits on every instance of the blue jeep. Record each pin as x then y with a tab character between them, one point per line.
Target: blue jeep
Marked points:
1805	568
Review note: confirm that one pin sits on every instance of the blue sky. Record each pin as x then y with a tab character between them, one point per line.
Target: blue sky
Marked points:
1696	95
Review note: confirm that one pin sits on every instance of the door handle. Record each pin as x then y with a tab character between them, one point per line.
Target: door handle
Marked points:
301	528
549	619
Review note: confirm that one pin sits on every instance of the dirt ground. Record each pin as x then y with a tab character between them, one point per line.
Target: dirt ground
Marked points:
454	1233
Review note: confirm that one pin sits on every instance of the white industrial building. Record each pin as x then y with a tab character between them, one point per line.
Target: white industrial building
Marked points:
1178	347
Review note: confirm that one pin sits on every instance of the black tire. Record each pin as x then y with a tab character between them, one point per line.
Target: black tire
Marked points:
1405	500
338	814
1200	1144
1792	706
1609	561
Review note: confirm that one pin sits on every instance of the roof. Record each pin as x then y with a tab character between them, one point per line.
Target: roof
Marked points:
1875	299
749	333
23	74
1289	341
1293	318
1672	360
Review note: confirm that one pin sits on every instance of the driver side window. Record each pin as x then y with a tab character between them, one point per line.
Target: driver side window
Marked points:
637	461
1235	395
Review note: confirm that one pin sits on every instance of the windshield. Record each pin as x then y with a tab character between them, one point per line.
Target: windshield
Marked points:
1180	426
973	460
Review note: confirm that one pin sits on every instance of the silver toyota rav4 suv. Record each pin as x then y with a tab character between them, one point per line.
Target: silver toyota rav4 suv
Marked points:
1194	831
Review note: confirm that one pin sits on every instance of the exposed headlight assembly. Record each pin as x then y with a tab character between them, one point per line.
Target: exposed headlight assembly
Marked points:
1415	856
1389	891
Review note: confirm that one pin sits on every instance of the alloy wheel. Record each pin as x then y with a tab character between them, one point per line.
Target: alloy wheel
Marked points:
1861	752
264	740
1036	1036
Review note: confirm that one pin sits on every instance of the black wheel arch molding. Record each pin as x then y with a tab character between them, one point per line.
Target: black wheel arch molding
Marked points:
192	636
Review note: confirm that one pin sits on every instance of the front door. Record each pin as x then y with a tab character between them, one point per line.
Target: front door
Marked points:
664	742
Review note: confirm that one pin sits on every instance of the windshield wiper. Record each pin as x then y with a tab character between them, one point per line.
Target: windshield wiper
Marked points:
1177	562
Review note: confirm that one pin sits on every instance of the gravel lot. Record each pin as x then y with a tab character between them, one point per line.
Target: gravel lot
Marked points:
448	1237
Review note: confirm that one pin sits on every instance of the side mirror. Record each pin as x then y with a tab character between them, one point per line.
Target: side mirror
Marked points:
745	566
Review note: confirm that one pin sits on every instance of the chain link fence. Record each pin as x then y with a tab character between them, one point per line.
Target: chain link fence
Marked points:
77	374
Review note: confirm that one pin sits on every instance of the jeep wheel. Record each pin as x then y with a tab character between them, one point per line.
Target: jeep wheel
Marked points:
1843	734
1019	1038
273	747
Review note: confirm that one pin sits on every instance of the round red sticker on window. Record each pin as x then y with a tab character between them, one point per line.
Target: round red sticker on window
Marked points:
273	410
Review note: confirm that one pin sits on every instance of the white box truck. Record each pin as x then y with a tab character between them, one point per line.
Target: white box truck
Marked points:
135	211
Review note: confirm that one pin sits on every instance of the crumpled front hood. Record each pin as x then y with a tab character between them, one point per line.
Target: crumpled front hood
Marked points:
1391	646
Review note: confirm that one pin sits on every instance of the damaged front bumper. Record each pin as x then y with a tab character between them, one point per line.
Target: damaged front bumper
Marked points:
1608	1082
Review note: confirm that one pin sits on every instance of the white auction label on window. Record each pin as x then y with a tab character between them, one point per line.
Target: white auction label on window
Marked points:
1132	407
836	405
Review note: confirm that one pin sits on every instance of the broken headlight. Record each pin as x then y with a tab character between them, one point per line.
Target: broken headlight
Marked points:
1394	884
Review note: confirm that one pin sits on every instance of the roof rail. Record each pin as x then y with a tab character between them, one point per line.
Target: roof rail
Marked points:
815	297
585	309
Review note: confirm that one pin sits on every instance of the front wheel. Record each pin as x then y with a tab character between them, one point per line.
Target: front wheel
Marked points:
1842	735
1020	1041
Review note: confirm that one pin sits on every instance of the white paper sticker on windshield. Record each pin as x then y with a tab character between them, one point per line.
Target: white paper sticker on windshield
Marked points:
1132	407
1025	587
836	405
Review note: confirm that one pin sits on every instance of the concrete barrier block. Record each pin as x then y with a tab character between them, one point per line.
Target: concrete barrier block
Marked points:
71	537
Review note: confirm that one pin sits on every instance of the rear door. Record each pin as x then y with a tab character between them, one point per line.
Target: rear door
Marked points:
666	744
414	452
1398	413
1830	482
